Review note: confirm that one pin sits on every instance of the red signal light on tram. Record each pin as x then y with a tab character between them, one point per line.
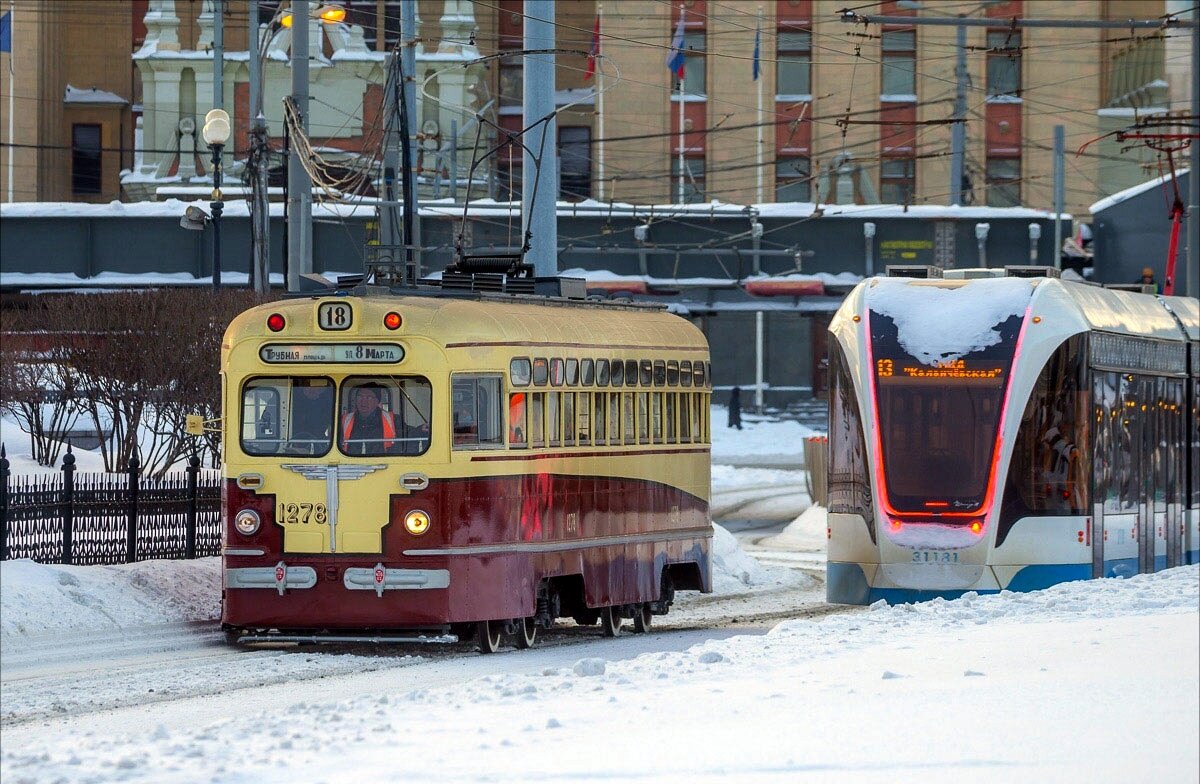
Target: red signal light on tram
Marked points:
392	320
275	322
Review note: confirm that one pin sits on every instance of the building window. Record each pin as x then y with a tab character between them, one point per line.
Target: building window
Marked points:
512	84
1003	63
693	180
574	162
899	63
792	179
1004	182
793	70
693	75
898	180
85	159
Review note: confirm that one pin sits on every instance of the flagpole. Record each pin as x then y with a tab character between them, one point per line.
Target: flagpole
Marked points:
757	42
600	110
12	90
680	141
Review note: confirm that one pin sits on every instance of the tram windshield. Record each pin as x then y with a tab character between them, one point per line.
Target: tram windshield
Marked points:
292	416
376	415
938	423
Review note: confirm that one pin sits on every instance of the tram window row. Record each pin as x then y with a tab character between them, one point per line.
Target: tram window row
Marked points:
557	372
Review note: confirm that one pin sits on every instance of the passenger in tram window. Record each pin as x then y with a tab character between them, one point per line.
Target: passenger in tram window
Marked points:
516	419
466	430
312	410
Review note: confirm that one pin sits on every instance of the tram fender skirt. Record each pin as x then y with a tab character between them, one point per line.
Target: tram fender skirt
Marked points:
1038	576
845	583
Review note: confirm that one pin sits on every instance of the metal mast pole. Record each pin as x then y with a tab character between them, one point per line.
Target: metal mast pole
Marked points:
260	211
299	186
218	54
12	91
539	184
958	132
1189	279
759	147
408	74
1059	190
600	114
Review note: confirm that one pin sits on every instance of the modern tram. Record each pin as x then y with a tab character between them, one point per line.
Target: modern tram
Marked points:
1008	430
431	464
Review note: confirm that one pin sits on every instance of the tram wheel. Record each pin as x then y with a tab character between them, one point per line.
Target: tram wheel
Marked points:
490	633
610	621
527	632
641	619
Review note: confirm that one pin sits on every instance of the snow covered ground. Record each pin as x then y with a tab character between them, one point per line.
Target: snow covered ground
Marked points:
120	674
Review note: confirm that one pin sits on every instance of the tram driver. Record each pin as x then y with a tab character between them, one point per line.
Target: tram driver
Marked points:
312	413
370	429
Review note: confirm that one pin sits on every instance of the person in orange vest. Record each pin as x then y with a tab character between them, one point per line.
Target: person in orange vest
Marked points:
368	429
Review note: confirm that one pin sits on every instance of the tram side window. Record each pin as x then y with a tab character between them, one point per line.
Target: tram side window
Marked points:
572	372
475	412
537	433
631	372
614	418
601	373
685	418
599	422
685	374
518	372
557	372
292	416
643	417
673	373
385	415
617	373
587	372
553	420
670	416
1050	469
541	372
518	426
568	417
656	417
646	372
849	480
698	418
1194	418
584	417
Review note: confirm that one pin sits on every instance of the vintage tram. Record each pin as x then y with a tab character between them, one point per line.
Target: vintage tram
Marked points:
995	430
433	463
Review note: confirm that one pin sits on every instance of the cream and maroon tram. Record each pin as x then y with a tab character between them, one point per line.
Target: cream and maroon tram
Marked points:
460	464
992	431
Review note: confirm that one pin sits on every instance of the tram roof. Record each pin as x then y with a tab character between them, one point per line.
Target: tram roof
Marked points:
491	320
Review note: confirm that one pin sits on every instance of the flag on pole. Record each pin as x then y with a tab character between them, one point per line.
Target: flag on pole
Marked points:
6	32
676	60
595	51
757	49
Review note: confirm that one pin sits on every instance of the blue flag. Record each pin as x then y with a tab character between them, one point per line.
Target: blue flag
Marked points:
6	32
676	60
757	50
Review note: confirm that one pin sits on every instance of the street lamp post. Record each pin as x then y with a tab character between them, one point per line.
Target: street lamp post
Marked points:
216	133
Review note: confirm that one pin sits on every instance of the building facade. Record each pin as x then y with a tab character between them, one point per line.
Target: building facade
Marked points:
106	93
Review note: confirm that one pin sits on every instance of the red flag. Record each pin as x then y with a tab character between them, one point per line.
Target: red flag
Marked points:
591	64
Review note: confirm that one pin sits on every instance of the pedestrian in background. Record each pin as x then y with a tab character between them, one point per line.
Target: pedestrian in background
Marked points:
735	408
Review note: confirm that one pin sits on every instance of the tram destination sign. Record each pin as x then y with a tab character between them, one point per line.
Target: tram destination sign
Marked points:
331	353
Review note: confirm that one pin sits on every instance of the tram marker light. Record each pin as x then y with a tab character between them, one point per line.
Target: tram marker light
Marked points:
392	320
247	522
276	322
976	527
416	522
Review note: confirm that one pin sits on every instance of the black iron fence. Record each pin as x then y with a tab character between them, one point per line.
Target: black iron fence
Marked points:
109	518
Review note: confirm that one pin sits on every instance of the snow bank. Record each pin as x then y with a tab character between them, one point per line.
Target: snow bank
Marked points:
40	598
938	324
732	568
758	440
807	532
727	477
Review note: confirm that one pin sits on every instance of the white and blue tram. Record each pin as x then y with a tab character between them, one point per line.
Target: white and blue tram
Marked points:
994	430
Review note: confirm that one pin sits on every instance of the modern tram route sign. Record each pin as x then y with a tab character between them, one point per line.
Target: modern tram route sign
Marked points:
347	353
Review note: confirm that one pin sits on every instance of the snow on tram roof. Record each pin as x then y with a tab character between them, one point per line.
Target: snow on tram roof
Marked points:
453	320
1094	307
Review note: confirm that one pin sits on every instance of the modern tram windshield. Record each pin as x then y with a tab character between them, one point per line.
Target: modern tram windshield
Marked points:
377	415
938	423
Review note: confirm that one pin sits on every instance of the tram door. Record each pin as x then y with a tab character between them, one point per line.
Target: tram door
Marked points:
1159	420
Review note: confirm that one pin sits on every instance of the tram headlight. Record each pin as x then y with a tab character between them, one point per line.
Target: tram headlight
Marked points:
416	522
247	522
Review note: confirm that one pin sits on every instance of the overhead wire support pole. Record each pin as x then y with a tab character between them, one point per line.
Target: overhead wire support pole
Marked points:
260	211
408	113
958	131
600	114
299	185
1190	277
539	175
1059	190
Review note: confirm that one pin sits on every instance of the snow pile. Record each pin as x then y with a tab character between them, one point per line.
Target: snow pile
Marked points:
938	324
732	568
807	532
759	441
39	598
726	478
